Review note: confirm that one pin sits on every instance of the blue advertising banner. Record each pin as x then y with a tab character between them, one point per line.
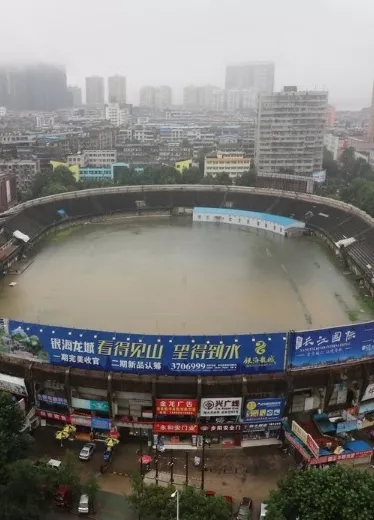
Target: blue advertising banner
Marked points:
333	346
100	424
263	410
146	354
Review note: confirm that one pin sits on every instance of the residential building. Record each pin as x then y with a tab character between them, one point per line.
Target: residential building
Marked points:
330	116
371	121
100	157
117	89
144	135
24	170
157	98
239	99
371	157
76	158
182	165
232	163
335	144
290	132
256	76
33	87
94	90
206	97
104	173
2	111
75	96
8	191
45	121
118	114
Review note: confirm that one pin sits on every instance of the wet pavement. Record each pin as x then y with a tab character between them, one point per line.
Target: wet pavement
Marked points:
230	471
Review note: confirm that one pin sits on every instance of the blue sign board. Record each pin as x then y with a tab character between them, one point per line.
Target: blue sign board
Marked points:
263	410
346	426
52	399
148	354
100	423
333	346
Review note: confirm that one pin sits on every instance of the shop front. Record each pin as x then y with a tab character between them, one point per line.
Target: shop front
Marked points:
175	426
219	420
262	421
91	417
16	387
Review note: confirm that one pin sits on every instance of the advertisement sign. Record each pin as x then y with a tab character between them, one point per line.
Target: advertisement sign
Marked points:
14	385
176	406
305	438
220	428
319	176
369	393
261	427
366	407
81	420
263	410
100	423
53	415
86	404
145	354
178	428
333	346
217	406
52	399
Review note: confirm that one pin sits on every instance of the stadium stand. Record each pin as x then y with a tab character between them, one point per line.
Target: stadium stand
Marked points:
336	220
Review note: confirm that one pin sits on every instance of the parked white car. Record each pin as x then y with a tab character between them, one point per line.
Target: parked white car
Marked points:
87	451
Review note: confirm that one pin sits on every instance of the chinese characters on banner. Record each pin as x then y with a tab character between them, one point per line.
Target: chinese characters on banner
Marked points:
179	428
337	345
148	354
176	406
215	407
263	410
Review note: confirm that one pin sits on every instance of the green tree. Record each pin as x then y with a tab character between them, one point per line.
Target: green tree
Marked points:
247	179
192	176
348	160
92	488
337	493
68	473
154	502
13	444
53	188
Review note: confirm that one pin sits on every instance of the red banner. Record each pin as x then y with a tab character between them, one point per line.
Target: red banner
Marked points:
343	456
176	406
220	428
177	428
52	415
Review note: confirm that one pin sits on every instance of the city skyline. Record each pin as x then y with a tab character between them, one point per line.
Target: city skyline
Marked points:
323	58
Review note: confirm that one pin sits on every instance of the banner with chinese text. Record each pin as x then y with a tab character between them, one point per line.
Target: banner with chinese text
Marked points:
145	354
333	346
176	406
263	410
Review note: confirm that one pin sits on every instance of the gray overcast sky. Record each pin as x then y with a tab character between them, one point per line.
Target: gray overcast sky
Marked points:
320	43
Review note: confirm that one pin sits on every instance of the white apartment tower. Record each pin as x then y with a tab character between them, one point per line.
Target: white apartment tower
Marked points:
117	89
290	132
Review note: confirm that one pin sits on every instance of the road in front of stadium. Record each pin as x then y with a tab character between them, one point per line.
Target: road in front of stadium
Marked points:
236	472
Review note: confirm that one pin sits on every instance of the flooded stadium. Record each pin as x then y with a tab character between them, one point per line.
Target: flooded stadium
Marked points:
169	275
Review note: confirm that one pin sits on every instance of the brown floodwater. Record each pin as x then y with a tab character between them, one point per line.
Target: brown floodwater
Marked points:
170	275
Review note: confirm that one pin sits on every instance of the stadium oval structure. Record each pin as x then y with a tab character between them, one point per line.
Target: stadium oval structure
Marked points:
348	231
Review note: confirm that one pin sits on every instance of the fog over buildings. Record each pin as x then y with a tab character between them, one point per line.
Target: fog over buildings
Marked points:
327	47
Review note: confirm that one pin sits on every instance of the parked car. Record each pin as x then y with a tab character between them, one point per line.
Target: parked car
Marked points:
87	451
244	509
210	493
263	511
63	497
84	505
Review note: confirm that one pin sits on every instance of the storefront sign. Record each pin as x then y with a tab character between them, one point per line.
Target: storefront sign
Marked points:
147	354
100	424
215	407
178	428
346	426
54	416
12	384
297	446
344	456
300	432
220	428
366	407
263	410
313	446
369	393
52	399
85	404
332	346
176	406
81	420
261	427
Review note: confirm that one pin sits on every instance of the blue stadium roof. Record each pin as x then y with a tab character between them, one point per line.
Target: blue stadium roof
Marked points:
282	221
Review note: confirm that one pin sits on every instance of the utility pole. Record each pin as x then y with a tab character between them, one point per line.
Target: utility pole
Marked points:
203	466
186	468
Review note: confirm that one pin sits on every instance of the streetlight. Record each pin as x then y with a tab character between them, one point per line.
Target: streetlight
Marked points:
173	495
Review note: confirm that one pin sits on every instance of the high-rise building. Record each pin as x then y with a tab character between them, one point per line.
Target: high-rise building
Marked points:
206	97
257	77
156	97
290	132
94	90
75	96
33	87
371	122
239	99
117	89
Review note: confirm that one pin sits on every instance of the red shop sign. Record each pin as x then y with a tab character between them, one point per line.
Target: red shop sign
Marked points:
343	456
220	428
54	416
179	428
176	406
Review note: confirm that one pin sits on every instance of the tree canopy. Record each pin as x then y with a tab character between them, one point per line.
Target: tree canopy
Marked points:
153	502
336	493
